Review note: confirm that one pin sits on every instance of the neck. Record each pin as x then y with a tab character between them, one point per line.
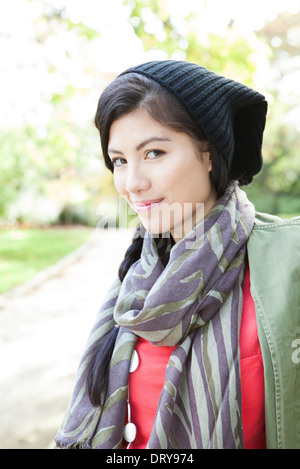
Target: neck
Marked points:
201	210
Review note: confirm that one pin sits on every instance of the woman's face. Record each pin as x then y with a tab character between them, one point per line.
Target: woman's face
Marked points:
160	174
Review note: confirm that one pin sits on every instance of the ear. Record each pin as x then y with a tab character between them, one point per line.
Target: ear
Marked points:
207	160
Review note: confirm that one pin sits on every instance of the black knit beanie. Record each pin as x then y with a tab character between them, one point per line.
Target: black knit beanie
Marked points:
231	115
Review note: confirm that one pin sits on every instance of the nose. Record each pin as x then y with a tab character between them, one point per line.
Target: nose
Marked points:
137	179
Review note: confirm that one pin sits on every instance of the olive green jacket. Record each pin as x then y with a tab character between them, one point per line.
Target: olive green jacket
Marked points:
274	262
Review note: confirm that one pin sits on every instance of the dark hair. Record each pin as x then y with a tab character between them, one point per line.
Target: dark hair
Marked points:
124	95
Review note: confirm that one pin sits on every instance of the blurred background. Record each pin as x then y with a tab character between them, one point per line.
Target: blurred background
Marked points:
58	55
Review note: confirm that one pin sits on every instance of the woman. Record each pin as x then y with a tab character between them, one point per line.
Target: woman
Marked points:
182	354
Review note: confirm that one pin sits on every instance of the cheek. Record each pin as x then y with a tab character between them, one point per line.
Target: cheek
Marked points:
189	183
120	183
177	180
168	178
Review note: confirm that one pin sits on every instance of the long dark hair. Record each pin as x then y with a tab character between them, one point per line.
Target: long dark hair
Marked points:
124	95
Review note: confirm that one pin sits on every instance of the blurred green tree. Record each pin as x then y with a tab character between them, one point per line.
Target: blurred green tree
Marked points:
277	188
228	54
58	157
53	156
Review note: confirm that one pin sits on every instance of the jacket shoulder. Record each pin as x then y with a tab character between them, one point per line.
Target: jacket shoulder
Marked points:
267	221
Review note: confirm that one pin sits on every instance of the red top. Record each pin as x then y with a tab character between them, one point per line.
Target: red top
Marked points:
252	374
147	381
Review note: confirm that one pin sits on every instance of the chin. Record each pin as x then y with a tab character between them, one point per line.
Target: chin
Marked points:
156	230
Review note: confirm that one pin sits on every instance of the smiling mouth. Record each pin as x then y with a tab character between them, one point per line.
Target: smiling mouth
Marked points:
146	205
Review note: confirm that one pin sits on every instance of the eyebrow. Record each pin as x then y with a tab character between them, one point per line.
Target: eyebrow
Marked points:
142	144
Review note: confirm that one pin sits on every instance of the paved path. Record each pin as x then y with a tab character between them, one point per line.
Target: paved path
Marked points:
43	329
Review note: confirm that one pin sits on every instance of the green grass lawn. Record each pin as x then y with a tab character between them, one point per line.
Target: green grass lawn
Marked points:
24	253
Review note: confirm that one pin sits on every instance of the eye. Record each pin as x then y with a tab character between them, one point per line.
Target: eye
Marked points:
116	162
153	154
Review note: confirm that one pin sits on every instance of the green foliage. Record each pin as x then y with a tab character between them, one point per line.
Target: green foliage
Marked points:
49	162
276	189
78	214
56	15
82	30
227	54
223	55
17	167
163	35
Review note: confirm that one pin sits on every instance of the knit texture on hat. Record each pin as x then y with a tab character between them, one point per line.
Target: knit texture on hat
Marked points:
231	115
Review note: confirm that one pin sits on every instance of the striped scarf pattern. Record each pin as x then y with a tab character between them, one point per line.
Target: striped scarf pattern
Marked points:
194	302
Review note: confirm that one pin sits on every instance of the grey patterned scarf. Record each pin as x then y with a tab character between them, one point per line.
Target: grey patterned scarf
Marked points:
194	302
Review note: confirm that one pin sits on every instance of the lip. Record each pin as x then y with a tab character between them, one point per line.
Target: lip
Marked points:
146	204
